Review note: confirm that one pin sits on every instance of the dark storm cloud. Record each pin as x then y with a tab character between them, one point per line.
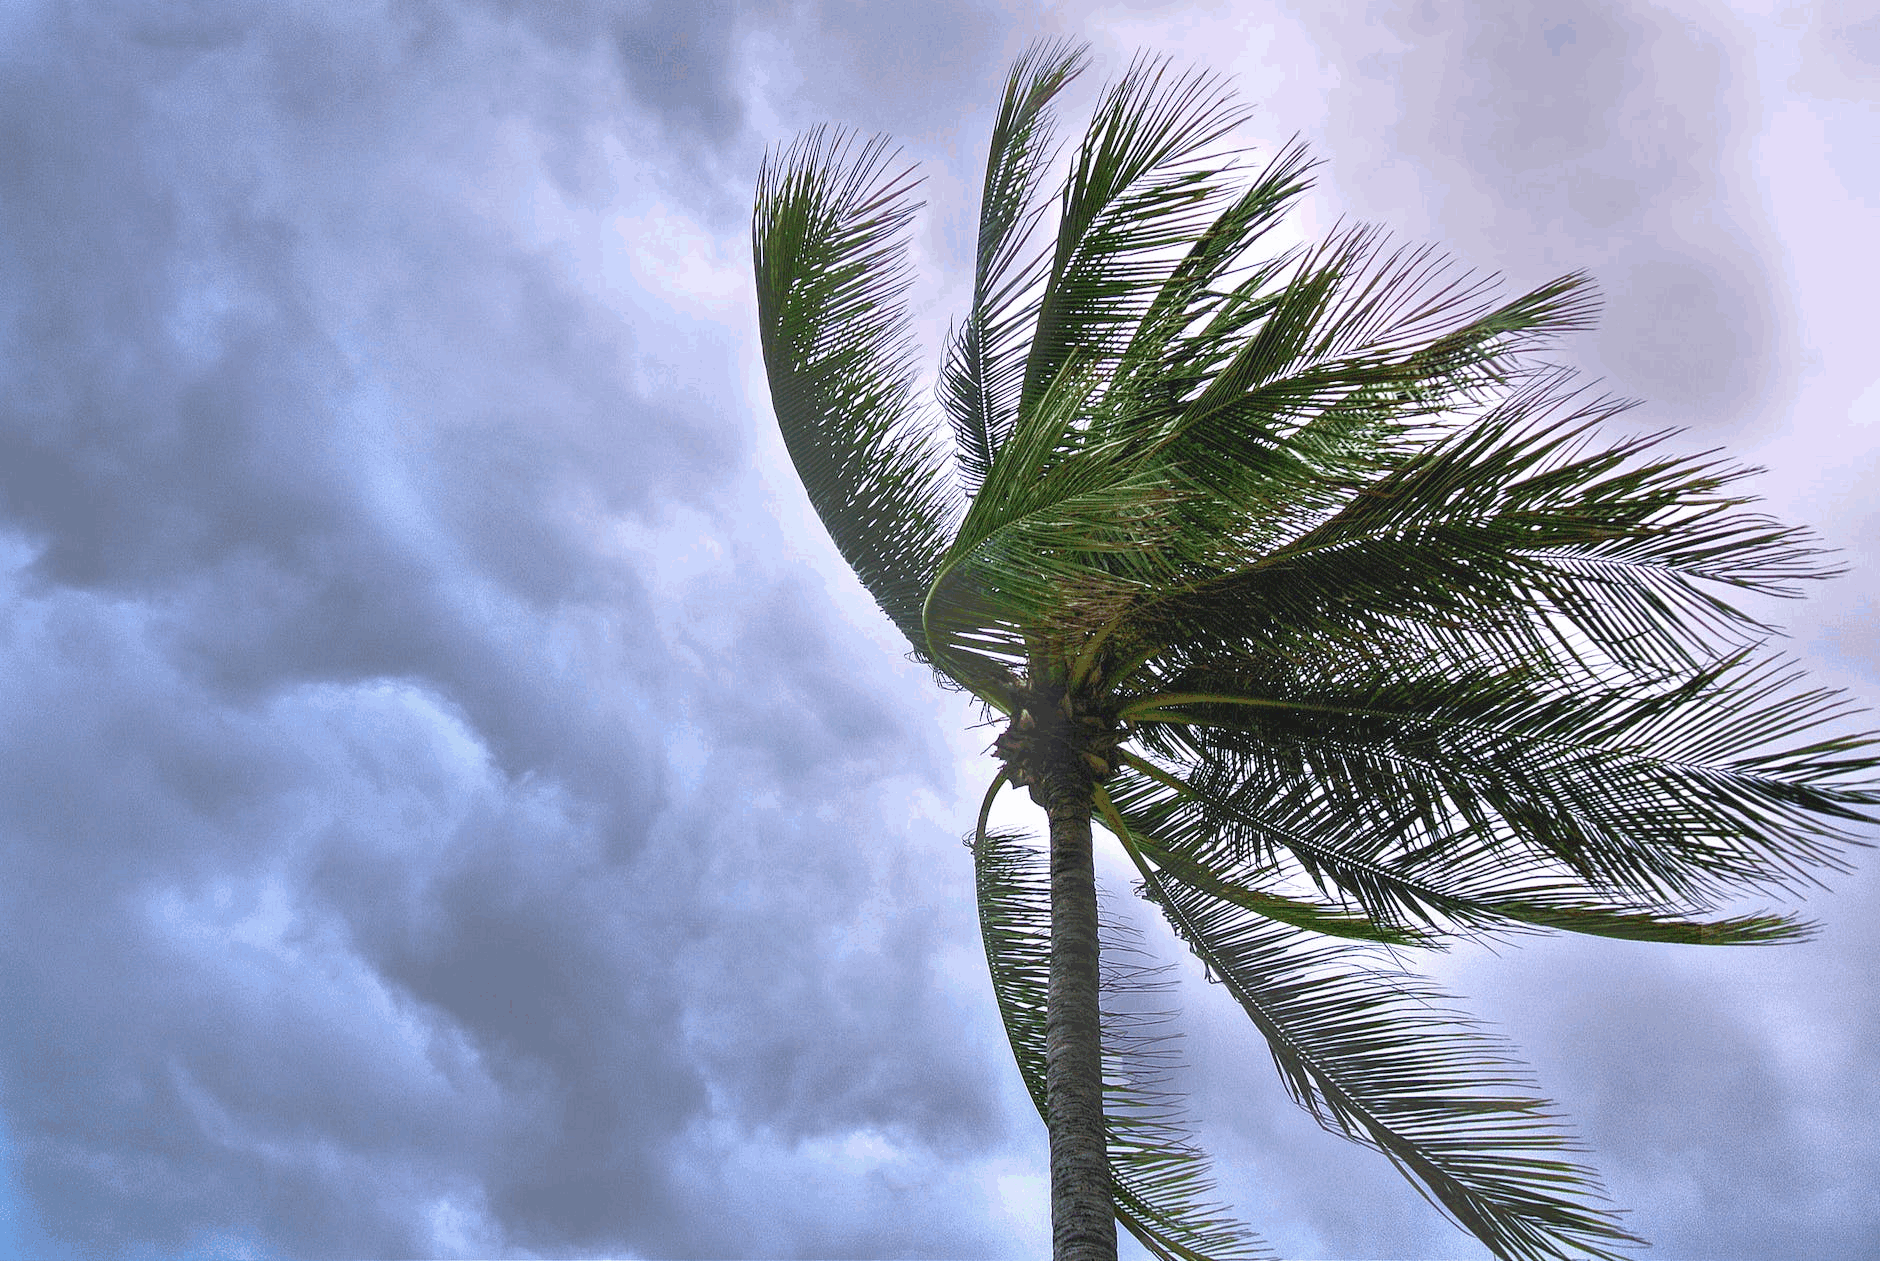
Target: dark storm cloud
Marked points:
678	68
186	265
396	863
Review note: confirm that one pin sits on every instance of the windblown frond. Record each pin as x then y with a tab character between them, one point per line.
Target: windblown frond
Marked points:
984	367
1160	1179
1381	886
1728	780
828	238
1146	180
1520	536
1193	323
1128	486
1380	1057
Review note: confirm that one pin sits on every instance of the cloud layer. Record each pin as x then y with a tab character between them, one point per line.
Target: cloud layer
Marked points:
452	802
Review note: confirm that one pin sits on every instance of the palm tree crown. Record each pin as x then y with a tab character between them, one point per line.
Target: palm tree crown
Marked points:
1300	573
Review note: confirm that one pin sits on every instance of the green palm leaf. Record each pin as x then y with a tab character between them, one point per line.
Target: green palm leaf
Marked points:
1191	325
984	369
1382	889
1379	1057
827	236
1147	179
1707	787
1375	1057
1515	533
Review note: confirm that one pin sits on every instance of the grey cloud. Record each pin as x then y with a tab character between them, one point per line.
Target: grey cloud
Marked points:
1841	51
157	289
943	60
335	957
1540	98
1676	328
1599	101
678	61
1840	62
195	1043
354	899
681	77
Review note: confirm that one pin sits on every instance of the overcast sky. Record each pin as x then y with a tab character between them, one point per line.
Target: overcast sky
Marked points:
453	801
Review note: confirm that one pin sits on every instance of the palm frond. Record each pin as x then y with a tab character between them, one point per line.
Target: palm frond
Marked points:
1726	780
1266	426
1517	540
1191	325
1381	1058
1193	865
1371	861
1145	181
1396	334
983	371
1159	1178
1513	787
828	238
1082	532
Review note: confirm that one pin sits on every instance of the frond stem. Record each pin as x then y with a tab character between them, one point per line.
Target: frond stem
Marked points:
985	806
1164	708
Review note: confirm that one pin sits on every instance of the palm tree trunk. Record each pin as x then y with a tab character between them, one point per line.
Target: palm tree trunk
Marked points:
1083	1214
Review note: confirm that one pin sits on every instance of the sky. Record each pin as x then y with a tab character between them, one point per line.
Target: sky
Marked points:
453	799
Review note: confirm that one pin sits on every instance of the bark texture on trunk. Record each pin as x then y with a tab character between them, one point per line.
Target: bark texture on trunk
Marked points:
1083	1214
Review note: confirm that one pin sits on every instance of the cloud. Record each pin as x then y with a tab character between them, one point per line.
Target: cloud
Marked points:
1595	134
359	901
451	800
1642	1044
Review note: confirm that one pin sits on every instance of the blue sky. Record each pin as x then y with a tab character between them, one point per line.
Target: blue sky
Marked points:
453	801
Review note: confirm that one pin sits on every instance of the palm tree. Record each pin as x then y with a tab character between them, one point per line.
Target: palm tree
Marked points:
1302	574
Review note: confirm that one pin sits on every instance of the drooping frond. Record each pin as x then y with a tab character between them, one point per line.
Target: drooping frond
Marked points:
1379	1057
1375	1056
1148	819
828	237
1160	1179
984	368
